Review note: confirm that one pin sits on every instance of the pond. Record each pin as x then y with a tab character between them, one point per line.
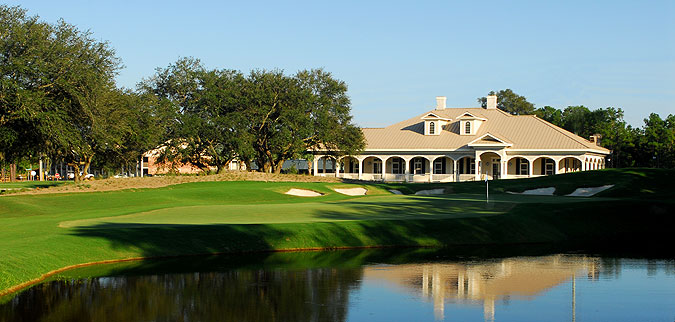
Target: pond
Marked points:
358	285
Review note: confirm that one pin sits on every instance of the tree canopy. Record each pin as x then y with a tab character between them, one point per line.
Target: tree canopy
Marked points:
265	116
510	102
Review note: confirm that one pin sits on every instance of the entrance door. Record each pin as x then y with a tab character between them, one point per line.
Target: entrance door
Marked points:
495	170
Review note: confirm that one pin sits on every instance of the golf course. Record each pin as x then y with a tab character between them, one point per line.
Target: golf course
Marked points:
47	232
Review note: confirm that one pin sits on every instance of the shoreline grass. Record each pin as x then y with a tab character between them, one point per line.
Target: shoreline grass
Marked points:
236	217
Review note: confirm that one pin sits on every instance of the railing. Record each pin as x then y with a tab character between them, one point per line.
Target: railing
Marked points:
394	177
354	176
446	177
371	176
420	178
467	177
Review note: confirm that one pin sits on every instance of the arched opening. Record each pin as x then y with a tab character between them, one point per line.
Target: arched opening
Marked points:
467	127
466	168
491	165
420	169
395	169
543	166
443	169
519	167
569	164
349	167
372	168
326	165
432	128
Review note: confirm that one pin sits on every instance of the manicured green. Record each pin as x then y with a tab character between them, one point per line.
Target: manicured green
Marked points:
41	233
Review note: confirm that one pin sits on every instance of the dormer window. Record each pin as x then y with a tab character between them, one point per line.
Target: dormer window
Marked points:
432	128
467	128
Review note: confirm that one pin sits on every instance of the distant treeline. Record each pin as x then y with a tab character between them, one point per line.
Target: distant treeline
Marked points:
652	145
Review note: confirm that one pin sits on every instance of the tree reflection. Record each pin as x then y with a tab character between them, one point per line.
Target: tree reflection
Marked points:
320	294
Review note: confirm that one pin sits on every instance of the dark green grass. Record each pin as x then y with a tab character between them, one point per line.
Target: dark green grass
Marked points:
215	217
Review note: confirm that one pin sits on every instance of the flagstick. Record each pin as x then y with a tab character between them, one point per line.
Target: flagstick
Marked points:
487	190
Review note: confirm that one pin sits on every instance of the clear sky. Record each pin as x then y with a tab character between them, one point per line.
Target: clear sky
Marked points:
397	56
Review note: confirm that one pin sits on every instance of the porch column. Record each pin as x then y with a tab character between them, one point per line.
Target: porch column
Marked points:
477	167
384	169
455	170
407	169
583	165
503	172
530	167
337	168
360	168
430	169
141	166
315	167
556	164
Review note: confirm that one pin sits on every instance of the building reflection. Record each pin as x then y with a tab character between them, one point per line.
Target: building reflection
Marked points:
483	283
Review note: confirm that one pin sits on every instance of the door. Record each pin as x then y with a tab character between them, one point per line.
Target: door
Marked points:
377	166
495	169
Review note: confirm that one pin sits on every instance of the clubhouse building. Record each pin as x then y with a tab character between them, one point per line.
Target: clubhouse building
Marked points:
464	144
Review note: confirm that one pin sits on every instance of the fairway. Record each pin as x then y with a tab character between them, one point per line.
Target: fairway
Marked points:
394	207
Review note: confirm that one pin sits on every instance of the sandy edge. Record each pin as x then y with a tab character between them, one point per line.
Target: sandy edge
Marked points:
360	191
303	193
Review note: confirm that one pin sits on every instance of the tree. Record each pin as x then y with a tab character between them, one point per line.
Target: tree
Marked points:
550	114
55	89
510	102
208	128
291	115
575	119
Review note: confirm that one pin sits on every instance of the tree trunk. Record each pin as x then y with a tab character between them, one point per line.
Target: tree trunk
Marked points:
278	166
12	172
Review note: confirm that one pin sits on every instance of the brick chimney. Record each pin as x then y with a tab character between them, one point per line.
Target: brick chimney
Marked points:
440	102
491	102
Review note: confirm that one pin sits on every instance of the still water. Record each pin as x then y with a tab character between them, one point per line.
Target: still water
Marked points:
419	285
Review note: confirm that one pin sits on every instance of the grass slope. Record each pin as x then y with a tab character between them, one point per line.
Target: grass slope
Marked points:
46	232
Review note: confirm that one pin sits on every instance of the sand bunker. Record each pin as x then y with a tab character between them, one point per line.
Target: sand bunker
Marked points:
352	191
303	193
396	192
590	191
439	191
536	192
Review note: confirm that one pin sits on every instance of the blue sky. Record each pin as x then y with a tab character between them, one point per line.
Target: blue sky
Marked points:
397	56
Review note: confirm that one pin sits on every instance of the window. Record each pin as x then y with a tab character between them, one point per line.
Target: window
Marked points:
396	166
432	128
438	166
417	166
377	166
523	168
472	163
467	128
550	164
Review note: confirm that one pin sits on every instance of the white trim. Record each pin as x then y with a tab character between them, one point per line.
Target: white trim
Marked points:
436	117
472	117
504	143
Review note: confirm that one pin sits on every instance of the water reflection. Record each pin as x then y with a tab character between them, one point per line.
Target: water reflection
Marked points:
485	282
337	286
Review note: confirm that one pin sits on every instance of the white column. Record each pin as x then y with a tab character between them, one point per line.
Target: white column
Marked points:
315	166
337	168
555	166
504	170
477	167
407	169
141	166
384	168
530	167
360	169
455	169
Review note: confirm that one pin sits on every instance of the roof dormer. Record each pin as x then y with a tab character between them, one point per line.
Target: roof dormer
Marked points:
433	124
469	123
